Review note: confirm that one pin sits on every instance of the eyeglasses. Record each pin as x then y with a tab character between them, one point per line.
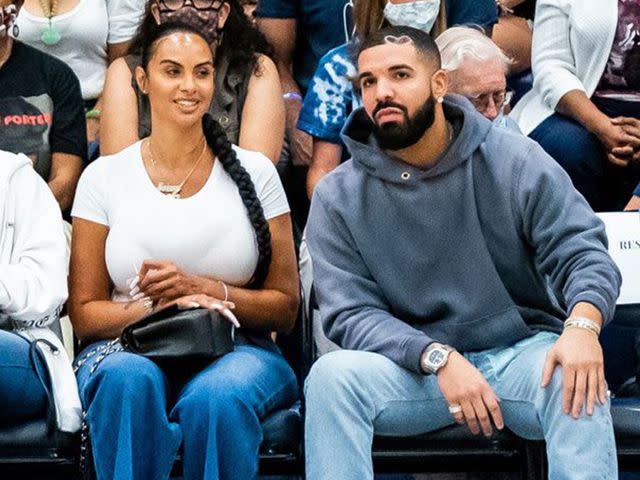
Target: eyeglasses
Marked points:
174	5
500	99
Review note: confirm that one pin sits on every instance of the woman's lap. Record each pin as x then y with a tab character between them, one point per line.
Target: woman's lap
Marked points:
255	376
249	370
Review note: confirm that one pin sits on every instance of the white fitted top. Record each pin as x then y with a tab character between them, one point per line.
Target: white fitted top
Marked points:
85	32
208	233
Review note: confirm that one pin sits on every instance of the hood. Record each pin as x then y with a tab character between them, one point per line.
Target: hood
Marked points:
10	163
365	151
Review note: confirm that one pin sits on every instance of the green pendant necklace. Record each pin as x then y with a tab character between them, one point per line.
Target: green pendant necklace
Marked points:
50	35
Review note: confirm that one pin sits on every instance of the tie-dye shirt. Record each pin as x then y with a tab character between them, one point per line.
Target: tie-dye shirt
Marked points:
330	96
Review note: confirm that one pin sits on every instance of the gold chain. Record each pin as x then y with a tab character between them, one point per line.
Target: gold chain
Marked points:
176	188
50	10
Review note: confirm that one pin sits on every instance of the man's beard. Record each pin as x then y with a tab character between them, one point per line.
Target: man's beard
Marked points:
397	136
205	21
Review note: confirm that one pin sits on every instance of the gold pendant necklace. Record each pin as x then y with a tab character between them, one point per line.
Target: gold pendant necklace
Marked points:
173	191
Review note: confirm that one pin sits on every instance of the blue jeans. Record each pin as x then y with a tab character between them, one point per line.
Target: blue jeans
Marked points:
22	396
137	421
350	395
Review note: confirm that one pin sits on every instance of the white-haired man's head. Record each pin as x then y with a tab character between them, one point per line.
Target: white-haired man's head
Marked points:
477	68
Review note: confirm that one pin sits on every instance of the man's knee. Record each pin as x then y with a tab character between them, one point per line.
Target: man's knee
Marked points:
338	372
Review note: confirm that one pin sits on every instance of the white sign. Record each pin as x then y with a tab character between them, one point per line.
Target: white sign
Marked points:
623	231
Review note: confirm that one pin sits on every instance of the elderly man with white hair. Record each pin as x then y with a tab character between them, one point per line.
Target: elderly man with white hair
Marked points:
477	70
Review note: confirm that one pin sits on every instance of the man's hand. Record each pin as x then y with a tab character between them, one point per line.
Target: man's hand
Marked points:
93	129
300	143
462	384
162	280
579	354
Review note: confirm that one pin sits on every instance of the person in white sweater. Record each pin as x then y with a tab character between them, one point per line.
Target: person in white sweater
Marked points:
33	287
584	107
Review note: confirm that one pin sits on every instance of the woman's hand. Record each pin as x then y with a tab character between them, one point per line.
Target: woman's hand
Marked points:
162	280
617	142
631	127
210	303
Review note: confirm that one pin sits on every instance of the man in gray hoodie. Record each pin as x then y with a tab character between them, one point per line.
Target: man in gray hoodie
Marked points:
462	273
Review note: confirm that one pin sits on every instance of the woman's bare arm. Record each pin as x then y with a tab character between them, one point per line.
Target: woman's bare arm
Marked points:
91	310
262	126
119	117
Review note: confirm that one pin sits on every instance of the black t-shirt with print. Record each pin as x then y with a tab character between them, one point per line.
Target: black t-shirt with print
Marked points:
41	108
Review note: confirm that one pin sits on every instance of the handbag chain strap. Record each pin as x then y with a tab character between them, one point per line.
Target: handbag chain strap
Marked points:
102	352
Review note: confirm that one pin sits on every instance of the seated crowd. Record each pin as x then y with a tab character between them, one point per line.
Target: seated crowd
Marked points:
461	273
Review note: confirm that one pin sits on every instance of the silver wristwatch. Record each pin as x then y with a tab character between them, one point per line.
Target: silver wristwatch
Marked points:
435	357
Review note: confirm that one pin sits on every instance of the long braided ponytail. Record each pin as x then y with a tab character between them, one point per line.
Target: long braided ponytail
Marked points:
221	146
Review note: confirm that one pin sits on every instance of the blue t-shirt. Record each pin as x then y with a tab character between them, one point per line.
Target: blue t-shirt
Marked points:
478	12
320	27
330	98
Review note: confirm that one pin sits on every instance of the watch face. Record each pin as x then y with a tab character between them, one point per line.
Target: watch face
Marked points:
436	357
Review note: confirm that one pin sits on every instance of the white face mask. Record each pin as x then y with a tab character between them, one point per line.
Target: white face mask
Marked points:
421	14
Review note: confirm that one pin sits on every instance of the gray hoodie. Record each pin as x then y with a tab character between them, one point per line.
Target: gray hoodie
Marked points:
486	247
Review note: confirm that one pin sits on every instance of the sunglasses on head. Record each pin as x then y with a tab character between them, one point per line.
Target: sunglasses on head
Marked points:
174	5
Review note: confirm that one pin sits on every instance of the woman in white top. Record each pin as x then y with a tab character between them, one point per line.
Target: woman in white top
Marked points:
585	102
184	217
85	34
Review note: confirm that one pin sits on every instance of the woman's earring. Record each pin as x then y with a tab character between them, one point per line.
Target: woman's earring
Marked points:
16	30
440	99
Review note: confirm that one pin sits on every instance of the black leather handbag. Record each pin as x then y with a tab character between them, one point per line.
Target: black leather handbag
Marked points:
175	335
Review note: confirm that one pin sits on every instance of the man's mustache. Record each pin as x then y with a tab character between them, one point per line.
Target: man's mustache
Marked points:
382	105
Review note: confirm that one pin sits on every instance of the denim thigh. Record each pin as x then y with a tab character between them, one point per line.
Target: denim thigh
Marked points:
22	395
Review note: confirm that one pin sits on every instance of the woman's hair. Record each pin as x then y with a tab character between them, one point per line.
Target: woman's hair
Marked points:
458	43
150	40
368	17
241	41
221	147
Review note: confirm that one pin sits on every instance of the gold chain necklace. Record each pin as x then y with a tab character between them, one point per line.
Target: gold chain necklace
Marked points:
50	35
173	191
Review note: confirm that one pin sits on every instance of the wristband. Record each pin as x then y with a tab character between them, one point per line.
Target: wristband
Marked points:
292	96
584	323
93	113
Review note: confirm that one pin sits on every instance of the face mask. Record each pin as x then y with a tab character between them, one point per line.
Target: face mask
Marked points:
205	21
421	14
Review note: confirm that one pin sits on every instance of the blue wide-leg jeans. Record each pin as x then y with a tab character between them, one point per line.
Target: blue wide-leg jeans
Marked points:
350	395
22	396
136	428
